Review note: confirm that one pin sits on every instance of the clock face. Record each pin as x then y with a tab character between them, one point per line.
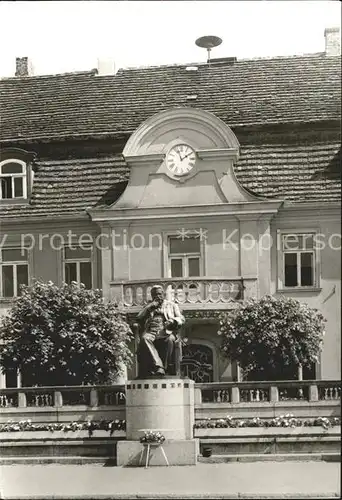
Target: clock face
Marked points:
181	159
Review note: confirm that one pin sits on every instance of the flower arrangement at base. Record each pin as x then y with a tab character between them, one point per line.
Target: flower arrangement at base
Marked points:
152	437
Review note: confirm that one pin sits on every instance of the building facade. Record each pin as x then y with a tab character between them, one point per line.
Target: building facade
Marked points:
220	182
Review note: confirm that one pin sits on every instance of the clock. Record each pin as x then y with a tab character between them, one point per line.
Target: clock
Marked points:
181	159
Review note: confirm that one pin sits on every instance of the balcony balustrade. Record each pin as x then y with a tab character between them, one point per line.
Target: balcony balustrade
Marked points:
189	293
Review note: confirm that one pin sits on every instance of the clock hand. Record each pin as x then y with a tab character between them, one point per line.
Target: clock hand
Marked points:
187	155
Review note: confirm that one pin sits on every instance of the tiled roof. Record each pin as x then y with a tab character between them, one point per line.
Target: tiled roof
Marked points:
68	188
295	173
248	92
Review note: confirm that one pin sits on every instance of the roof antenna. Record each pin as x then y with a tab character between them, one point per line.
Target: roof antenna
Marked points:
208	42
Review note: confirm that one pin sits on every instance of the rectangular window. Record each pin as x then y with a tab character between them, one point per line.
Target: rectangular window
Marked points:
13	271
184	257
78	266
299	260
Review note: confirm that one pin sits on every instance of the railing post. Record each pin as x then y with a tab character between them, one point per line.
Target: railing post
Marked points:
313	393
274	394
238	373
198	396
57	399
94	397
22	403
235	395
2	380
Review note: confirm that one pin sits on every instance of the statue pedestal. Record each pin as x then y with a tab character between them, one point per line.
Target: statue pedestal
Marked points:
165	405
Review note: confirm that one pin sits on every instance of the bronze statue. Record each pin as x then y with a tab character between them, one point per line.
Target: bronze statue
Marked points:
159	323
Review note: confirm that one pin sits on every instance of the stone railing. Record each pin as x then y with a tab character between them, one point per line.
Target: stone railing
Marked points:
309	398
38	397
258	392
188	292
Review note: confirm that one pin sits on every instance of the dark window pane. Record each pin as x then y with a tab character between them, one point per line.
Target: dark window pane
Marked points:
194	267
306	268
189	245
18	187
14	255
22	275
309	372
6	187
7	281
12	168
291	269
70	272
308	241
85	274
176	268
77	253
11	378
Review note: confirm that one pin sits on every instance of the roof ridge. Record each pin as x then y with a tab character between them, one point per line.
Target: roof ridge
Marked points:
106	159
203	63
90	72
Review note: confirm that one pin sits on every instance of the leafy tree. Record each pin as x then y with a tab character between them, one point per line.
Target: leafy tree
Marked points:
64	336
271	336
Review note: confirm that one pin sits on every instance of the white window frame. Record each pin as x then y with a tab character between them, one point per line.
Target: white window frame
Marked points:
78	261
184	256
22	176
14	264
281	259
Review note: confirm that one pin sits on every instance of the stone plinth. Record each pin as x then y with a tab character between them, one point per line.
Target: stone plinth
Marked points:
165	405
183	452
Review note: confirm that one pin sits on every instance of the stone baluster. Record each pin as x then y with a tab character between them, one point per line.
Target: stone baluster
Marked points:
335	392
330	393
325	393
235	395
313	393
57	399
251	395
273	394
94	398
22	403
198	396
257	395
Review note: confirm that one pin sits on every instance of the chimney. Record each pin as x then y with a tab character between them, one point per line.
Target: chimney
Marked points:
105	66
23	67
332	41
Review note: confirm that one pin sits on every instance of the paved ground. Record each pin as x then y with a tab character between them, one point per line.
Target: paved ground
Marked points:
232	480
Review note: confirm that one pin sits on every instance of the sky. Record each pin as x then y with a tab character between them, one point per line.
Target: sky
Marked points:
60	37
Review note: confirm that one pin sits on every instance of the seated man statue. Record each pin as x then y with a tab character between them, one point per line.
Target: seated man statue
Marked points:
159	321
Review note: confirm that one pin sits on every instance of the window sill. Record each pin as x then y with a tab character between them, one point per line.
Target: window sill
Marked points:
14	201
314	289
6	300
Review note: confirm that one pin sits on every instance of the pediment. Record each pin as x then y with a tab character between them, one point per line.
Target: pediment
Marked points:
211	179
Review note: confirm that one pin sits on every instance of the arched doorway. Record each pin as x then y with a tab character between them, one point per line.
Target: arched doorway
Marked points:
198	363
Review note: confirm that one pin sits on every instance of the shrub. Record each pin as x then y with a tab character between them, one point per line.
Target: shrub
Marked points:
64	335
271	334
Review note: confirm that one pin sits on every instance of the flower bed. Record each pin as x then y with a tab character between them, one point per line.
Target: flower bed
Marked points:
89	426
287	420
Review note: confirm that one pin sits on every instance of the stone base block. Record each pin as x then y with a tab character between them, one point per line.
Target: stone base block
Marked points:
182	452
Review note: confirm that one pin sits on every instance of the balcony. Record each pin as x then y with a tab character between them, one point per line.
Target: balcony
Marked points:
190	294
